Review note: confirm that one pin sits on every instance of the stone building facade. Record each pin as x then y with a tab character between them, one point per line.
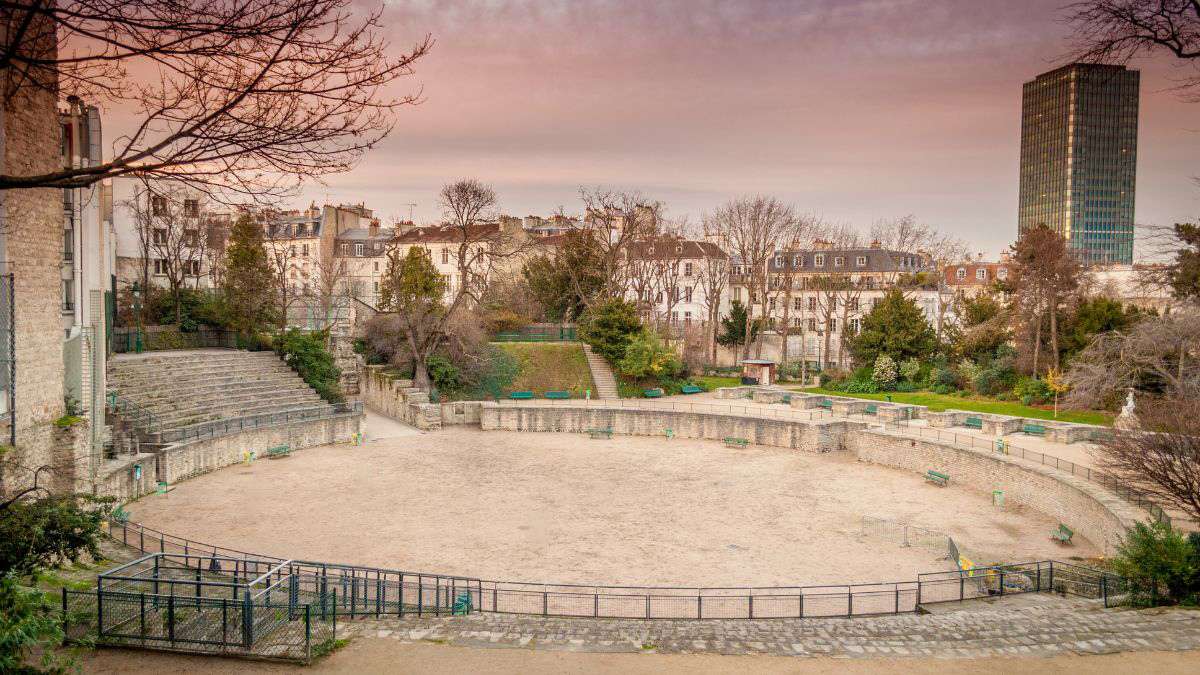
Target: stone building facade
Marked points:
31	247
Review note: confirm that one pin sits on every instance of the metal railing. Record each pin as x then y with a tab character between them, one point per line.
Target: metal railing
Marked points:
376	592
233	425
162	338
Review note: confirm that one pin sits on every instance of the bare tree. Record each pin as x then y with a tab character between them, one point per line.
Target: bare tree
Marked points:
1117	31
1159	350
242	96
750	228
713	278
174	234
1044	275
612	224
333	289
281	251
668	267
1163	462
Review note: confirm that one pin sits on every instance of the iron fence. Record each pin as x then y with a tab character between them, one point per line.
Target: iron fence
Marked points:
274	630
363	592
160	338
234	425
8	352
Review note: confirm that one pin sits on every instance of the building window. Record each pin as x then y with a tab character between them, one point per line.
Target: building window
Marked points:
960	274
159	237
855	325
687	294
292	250
344	249
674	318
797	304
160	266
852	303
445	256
832	325
358	250
687	318
861	261
68	295
981	274
158	205
687	271
799	261
191	268
812	324
778	261
376	265
304	250
812	304
1002	273
796	322
191	208
771	304
376	286
839	261
819	260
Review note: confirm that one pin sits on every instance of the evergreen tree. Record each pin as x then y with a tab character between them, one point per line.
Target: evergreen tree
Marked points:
1185	270
609	327
896	327
249	279
413	288
733	327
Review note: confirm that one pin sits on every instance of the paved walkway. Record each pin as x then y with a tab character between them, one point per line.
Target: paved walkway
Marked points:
1040	629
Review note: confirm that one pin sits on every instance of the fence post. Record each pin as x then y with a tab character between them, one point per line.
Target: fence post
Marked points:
1051	588
64	611
918	593
224	621
545	603
400	599
420	594
247	621
495	598
171	618
897	611
307	633
1103	588
1039	577
961	583
1001	581
334	613
850	602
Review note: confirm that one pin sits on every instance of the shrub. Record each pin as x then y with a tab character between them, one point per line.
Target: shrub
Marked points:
646	356
1030	390
884	374
29	625
942	377
1162	566
860	387
306	354
910	369
443	373
942	389
968	371
906	386
609	327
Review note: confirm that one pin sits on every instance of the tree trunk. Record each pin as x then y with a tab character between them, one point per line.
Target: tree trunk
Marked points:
1054	330
1037	341
787	327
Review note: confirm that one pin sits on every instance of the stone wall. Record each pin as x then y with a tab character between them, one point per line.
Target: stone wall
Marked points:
184	460
1089	509
1094	512
814	436
398	399
32	230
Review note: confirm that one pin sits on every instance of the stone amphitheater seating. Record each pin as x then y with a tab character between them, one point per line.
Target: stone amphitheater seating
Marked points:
185	388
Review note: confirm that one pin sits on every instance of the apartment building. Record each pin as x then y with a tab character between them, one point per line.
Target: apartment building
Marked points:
167	234
668	280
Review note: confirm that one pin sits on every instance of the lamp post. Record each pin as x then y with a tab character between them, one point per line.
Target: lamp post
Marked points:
137	310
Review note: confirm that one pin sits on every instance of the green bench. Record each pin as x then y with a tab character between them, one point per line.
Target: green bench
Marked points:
279	451
973	422
826	403
1034	429
731	442
1063	534
558	395
521	395
937	478
462	604
871	409
652	393
605	432
691	389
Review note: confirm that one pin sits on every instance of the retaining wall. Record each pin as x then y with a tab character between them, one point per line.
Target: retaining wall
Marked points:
1086	507
1093	512
398	399
184	460
809	436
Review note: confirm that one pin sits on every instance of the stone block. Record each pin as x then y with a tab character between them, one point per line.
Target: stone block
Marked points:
767	396
850	406
806	401
1001	425
733	392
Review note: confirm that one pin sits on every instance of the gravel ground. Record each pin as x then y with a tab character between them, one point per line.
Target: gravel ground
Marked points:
562	508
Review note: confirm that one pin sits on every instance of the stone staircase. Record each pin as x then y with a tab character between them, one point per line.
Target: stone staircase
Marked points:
172	391
602	374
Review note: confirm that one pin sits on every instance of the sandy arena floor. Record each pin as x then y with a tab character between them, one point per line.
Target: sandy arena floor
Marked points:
563	508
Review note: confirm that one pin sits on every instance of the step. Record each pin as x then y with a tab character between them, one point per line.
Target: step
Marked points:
220	401
152	393
198	370
177	430
185	417
169	383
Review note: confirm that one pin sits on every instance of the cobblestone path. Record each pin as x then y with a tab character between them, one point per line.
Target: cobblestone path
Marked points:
1046	629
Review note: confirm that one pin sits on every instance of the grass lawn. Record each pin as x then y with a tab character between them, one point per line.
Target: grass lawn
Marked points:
550	366
940	402
711	382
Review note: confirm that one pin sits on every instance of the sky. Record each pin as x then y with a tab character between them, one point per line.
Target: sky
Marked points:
855	110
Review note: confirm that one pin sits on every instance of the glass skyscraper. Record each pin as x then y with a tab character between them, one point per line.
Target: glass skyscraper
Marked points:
1079	158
